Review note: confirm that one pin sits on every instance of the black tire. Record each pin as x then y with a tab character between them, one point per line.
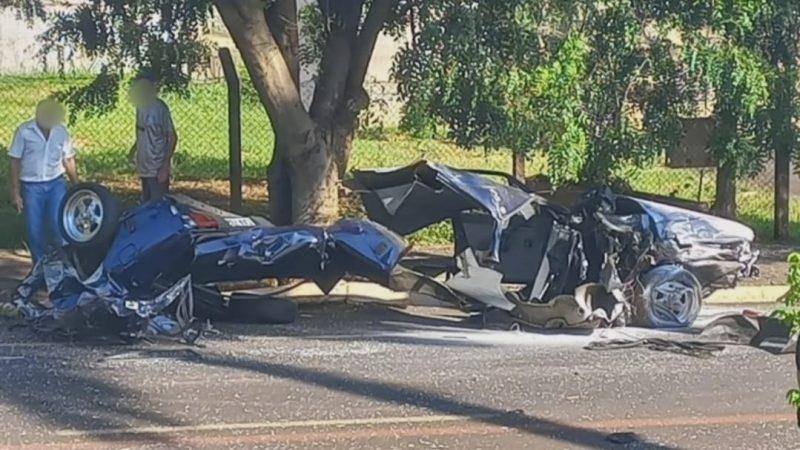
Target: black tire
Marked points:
247	308
209	303
107	218
242	308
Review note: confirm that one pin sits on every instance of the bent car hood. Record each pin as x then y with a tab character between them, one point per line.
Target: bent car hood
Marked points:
410	198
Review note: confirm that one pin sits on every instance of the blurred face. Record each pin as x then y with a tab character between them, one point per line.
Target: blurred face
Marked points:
142	92
49	114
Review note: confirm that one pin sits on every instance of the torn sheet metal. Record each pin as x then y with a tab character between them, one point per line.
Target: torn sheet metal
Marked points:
756	330
99	305
323	255
411	198
519	253
159	245
479	282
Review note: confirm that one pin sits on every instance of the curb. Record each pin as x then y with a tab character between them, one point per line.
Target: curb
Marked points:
365	292
748	295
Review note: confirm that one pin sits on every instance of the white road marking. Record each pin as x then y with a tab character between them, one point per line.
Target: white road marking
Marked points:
271	425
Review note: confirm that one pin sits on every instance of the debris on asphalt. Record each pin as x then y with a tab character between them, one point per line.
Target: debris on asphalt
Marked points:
697	349
753	329
623	438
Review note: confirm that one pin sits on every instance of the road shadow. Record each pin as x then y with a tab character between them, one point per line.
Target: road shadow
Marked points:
403	395
53	392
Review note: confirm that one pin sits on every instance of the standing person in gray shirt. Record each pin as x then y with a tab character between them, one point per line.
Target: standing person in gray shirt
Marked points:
156	138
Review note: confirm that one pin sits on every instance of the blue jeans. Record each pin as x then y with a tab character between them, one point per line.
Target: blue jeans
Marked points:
41	202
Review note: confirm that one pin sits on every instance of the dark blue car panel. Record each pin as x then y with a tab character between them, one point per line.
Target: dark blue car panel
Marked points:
158	252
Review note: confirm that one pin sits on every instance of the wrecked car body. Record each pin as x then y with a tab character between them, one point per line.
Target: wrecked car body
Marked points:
158	264
607	260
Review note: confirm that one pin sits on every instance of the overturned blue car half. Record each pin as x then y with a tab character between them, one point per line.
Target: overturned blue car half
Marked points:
143	280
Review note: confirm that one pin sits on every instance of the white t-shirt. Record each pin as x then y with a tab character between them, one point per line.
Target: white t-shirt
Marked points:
42	159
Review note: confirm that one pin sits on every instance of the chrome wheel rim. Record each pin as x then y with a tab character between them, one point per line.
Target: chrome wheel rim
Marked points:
673	301
83	216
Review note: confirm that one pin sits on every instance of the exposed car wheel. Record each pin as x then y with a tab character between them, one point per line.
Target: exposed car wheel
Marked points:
670	297
242	308
247	308
89	215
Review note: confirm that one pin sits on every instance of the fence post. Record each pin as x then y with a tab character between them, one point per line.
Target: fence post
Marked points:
234	127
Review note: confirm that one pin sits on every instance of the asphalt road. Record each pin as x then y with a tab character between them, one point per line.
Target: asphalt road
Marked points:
369	377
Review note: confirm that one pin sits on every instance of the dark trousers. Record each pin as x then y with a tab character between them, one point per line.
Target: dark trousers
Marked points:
152	189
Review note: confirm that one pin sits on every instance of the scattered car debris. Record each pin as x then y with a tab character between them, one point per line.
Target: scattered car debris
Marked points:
753	329
609	260
697	349
153	270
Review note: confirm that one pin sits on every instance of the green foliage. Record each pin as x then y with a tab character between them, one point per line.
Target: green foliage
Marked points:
574	80
314	30
163	38
790	314
98	97
601	86
739	78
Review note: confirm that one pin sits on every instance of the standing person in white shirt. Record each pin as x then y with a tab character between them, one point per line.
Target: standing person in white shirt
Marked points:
41	153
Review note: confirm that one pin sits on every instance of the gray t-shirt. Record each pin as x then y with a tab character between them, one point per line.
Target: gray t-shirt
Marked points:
153	127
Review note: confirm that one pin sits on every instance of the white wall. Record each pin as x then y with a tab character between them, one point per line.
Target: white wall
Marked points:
20	48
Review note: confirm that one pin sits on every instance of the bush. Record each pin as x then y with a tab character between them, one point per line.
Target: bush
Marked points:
790	313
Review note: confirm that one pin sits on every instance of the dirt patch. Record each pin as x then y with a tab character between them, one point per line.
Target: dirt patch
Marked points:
13	268
213	192
772	264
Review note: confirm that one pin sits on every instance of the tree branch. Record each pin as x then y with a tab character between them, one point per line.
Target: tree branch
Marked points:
362	53
268	70
344	17
282	21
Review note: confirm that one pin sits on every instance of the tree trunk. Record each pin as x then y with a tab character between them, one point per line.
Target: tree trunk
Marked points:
783	170
518	166
281	18
279	188
314	182
783	138
312	148
725	198
299	146
282	21
342	146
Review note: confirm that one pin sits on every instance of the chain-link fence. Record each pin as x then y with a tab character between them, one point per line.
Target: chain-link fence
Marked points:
202	159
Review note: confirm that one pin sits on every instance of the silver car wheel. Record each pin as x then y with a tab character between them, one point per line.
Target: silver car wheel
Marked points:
670	297
83	215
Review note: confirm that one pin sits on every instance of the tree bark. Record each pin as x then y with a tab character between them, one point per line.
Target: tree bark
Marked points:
782	136
303	154
725	198
282	21
281	18
314	182
330	88
341	143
